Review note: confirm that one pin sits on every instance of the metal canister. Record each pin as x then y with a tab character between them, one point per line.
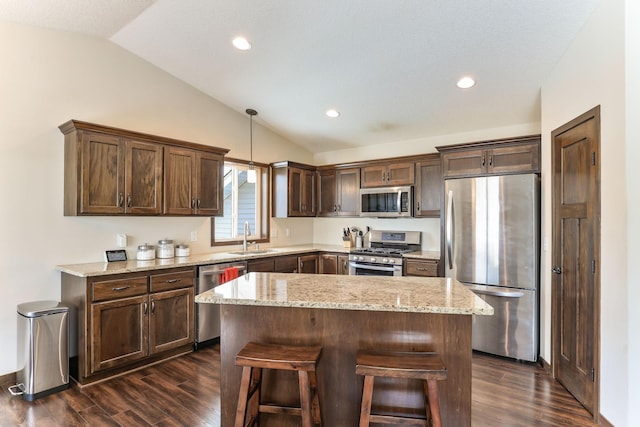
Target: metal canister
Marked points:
165	249
182	250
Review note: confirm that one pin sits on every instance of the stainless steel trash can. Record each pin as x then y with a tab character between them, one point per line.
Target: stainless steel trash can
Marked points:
43	349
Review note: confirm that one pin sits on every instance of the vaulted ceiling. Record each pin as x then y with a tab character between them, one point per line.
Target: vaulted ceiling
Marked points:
388	66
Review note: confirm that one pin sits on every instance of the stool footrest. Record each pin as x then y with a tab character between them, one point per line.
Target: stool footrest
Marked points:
399	421
277	409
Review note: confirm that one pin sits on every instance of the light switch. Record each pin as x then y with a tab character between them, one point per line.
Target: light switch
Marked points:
122	240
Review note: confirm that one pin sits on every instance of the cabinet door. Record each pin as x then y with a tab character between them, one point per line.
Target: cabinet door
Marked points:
373	176
209	169
348	197
179	185
295	192
143	178
429	188
400	174
171	321
464	163
327	204
119	332
328	264
286	264
519	158
308	264
343	264
102	186
309	193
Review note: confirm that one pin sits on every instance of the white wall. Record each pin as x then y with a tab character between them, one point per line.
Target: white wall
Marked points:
591	73
49	77
632	81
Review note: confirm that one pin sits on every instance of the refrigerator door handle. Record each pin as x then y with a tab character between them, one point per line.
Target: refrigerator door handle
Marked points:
499	293
449	229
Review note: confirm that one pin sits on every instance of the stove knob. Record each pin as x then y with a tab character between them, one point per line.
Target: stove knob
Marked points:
372	259
384	260
392	261
360	258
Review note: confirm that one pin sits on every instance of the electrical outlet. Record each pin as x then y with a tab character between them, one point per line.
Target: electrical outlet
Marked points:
194	236
122	240
287	232
274	233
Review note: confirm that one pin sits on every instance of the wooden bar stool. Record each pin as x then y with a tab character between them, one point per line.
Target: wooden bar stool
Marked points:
256	356
427	367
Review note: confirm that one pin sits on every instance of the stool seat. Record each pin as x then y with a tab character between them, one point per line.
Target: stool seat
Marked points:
257	356
427	367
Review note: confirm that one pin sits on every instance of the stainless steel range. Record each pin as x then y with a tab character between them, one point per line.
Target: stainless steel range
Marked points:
384	257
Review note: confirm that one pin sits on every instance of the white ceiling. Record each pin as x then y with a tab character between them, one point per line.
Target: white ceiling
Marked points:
389	66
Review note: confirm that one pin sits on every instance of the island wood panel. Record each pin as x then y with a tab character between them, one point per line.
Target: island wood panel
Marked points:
341	333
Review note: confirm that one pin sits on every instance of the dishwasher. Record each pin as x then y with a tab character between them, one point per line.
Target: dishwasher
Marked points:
208	315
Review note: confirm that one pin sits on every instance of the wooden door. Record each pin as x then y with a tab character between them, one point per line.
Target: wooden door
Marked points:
295	192
327	187
308	193
171	321
343	264
102	186
208	179
400	173
429	188
328	264
348	192
143	178
308	264
576	257
119	332
179	185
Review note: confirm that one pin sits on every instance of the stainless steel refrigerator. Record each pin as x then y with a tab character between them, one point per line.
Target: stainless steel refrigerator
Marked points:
491	244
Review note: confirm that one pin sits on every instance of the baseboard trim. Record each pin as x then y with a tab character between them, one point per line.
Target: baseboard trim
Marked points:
545	365
604	422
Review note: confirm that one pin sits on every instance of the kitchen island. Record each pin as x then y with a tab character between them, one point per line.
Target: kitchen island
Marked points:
343	314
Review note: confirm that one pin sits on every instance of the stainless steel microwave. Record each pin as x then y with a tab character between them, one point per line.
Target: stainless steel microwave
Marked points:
387	202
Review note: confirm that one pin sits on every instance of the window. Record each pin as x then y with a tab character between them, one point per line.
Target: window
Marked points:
244	202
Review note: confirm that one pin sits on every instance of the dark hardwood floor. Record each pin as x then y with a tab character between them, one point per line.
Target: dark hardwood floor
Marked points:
185	391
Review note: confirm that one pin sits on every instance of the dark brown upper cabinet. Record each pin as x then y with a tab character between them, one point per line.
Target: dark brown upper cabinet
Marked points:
505	156
338	192
387	174
293	190
429	187
111	171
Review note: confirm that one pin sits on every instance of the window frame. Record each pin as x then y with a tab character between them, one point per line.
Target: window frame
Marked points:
265	179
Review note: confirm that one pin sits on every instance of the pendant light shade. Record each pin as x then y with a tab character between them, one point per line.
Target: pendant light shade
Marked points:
251	173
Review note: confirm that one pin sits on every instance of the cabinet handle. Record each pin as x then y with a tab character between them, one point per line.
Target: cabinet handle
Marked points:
193	203
418	206
129	200
482	160
301	265
145	307
121	288
383	178
335	208
491	160
121	202
198	203
153	307
172	280
421	269
388	176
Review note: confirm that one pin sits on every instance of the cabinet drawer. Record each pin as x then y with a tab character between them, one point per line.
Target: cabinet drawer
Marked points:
173	280
121	288
421	268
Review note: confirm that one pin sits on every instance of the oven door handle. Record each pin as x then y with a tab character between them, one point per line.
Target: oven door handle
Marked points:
371	267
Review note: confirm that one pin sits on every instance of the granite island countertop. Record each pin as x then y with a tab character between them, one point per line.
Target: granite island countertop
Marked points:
370	293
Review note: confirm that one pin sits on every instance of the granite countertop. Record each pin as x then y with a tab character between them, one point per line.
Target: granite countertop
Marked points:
132	266
372	293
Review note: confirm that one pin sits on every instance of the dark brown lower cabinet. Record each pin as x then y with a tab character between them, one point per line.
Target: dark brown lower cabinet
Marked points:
126	321
421	267
308	264
333	264
343	264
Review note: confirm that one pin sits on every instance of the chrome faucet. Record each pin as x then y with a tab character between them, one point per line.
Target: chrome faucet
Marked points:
247	232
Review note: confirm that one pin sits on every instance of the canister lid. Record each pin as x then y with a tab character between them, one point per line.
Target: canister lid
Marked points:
41	308
182	246
165	242
145	247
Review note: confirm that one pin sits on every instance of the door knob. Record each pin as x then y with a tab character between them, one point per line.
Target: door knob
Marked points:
556	270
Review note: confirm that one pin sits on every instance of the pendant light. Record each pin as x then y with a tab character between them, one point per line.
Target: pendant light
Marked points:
251	173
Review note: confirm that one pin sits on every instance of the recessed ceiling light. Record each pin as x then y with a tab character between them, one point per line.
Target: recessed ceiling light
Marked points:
241	43
466	82
332	113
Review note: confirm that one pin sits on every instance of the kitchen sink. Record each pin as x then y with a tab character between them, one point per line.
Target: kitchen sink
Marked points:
252	252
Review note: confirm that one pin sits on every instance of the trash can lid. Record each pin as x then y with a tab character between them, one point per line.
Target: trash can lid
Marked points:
41	308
